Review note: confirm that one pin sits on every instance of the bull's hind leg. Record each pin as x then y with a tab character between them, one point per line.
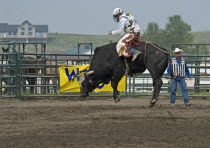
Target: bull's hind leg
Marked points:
157	84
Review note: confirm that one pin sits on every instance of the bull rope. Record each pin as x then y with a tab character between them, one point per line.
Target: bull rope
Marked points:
157	47
153	46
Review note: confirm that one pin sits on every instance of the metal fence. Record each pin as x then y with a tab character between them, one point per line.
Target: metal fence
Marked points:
26	74
199	66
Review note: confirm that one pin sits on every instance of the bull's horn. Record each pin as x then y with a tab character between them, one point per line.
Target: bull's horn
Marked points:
79	75
89	72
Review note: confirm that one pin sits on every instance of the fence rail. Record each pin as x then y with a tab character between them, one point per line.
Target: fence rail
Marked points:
27	74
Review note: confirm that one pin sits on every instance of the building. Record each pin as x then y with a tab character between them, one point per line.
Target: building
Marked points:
25	32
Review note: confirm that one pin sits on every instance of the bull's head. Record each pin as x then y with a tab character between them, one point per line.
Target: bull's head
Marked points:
86	83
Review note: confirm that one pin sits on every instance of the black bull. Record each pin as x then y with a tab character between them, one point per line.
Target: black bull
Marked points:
106	66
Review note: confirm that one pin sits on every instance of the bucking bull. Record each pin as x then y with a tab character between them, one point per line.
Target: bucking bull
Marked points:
107	66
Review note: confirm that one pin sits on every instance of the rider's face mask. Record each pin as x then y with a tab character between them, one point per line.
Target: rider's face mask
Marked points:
116	18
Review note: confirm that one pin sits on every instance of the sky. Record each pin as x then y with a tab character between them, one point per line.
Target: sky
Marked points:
95	16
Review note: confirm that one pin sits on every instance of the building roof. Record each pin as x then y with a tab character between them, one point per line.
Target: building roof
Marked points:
12	28
26	22
5	27
41	28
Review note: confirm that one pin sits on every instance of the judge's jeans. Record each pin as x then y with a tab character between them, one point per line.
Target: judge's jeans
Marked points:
174	82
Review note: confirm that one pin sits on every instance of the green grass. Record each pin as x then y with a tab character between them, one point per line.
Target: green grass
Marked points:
201	37
62	41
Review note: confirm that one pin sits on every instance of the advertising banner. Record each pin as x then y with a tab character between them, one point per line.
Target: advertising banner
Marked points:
69	82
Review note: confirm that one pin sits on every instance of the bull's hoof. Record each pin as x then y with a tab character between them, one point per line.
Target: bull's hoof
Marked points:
82	96
152	103
117	99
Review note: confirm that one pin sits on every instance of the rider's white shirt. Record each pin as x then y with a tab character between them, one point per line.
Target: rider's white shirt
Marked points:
127	23
121	26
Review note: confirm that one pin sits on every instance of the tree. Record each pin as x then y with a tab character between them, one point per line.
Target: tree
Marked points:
177	31
153	32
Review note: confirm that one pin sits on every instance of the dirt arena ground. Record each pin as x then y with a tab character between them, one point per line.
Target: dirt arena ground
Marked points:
58	123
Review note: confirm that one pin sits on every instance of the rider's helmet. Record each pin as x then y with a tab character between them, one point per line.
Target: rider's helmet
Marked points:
116	14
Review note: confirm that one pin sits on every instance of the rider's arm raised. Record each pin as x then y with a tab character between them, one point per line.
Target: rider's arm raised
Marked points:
121	26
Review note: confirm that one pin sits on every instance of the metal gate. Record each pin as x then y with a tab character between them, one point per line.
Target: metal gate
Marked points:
36	74
31	75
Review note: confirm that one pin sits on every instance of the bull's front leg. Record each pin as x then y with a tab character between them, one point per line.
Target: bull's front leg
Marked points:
116	93
116	79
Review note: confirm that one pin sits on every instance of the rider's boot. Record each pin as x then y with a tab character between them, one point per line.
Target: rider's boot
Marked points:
135	53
